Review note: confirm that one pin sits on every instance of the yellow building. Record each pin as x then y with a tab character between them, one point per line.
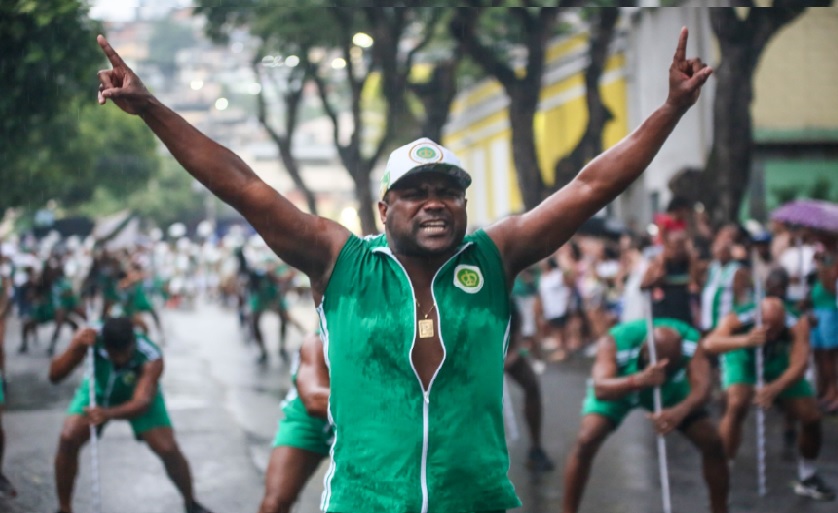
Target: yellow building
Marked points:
795	112
480	134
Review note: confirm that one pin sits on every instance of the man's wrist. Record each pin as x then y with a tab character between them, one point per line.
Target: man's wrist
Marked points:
635	381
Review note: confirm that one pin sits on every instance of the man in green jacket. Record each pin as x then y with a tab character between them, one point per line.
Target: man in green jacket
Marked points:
416	318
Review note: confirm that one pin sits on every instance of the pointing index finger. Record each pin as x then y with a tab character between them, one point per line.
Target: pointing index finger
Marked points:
110	53
681	51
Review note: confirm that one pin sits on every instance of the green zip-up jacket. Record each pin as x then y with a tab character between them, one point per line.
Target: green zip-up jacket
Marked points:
398	448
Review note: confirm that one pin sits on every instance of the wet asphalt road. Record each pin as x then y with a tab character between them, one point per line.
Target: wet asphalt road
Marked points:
225	407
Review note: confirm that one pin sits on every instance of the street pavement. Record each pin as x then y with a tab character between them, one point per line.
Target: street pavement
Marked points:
225	407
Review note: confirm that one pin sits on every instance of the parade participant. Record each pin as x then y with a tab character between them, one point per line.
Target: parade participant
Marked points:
825	333
266	292
43	307
727	282
135	302
65	304
416	318
784	339
518	367
304	436
623	379
669	276
127	381
6	487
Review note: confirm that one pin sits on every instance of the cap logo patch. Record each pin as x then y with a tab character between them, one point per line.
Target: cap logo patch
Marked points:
425	154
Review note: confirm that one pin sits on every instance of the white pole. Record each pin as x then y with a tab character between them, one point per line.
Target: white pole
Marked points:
760	366
663	466
94	441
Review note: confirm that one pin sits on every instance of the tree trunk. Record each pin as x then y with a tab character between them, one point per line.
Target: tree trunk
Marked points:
436	96
283	141
742	41
729	165
522	109
590	143
366	205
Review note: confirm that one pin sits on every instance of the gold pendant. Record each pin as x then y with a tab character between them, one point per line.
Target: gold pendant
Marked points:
426	328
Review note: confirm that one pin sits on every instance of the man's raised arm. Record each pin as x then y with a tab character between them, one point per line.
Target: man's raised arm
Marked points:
530	237
307	242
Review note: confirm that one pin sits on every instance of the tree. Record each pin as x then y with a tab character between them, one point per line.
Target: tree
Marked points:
493	43
49	62
321	30
168	196
742	41
589	146
286	31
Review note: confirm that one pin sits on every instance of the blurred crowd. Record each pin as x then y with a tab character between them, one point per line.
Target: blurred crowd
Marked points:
686	269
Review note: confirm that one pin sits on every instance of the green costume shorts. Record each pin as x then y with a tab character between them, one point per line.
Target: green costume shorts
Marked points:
739	368
672	393
300	430
68	303
43	313
155	417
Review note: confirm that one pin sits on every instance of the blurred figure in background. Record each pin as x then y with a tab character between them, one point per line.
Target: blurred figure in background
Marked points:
825	333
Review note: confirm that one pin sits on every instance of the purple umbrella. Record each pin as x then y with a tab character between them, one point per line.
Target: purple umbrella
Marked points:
820	215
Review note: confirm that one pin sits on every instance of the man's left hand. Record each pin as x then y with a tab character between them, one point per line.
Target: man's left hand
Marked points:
667	420
97	415
765	396
686	76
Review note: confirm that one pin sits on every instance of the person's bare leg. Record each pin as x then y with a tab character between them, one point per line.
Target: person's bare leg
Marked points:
74	434
592	432
739	399
256	315
162	442
289	469
704	436
5	485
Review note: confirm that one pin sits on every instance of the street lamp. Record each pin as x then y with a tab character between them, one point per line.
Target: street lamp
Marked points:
221	103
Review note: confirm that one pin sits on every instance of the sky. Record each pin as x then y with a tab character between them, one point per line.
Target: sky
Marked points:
124	10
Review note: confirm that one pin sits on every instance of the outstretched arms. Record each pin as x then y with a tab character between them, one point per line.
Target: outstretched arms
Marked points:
307	242
530	237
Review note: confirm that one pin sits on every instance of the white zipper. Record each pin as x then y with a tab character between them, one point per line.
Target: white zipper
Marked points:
426	394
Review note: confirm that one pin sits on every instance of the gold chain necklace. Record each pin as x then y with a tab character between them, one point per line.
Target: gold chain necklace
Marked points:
426	326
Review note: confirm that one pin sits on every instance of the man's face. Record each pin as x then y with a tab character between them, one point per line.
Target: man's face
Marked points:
424	214
677	245
120	358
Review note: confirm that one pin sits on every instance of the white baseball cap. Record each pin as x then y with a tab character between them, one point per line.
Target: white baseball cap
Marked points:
422	156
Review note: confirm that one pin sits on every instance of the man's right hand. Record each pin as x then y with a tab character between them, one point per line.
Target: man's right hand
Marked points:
120	84
756	337
84	339
653	375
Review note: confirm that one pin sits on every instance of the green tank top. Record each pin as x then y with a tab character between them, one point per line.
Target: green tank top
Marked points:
116	385
822	298
629	338
398	448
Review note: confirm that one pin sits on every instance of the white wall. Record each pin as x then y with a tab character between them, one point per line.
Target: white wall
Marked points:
652	38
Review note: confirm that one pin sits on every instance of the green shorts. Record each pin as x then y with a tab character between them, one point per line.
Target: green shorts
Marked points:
672	393
2	391
300	430
43	313
155	417
69	303
739	368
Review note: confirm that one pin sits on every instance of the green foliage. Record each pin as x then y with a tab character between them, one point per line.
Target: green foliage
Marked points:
49	57
82	148
54	141
169	196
